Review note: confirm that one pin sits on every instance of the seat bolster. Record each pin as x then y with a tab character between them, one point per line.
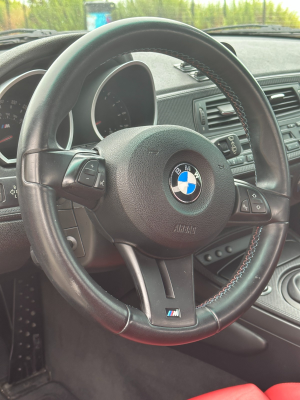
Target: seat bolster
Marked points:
241	392
283	391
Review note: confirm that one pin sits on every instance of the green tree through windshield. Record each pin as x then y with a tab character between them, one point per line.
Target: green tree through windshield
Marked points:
66	15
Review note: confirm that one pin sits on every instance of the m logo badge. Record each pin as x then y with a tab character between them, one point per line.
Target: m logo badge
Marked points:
173	312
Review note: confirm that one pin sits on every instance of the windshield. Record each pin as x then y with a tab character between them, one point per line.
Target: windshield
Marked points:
70	15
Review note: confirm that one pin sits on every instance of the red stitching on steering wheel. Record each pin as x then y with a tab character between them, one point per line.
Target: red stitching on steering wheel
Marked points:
244	265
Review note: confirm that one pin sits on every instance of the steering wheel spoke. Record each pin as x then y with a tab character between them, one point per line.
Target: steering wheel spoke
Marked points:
256	206
165	287
77	175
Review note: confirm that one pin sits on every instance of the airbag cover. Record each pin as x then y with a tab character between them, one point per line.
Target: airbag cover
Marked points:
139	207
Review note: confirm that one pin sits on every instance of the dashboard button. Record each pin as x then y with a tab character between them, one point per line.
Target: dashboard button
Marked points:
292	146
208	257
245	206
241	159
250	157
291	125
232	161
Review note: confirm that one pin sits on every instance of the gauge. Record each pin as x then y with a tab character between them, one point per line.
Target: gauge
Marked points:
15	95
111	113
11	117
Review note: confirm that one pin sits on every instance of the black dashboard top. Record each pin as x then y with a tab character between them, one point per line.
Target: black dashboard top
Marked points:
262	56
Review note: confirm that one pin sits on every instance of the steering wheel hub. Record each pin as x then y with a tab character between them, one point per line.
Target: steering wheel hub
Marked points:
143	164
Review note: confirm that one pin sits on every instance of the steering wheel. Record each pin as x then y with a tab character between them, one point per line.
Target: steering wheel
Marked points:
158	193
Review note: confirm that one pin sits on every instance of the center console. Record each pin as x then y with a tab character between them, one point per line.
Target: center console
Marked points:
281	297
263	346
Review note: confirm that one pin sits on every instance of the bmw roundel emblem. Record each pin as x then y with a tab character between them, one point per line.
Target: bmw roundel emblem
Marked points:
185	183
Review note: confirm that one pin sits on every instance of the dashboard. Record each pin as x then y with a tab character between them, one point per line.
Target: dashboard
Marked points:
144	89
207	117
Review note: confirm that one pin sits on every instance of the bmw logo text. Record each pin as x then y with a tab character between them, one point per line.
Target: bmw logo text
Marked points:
185	183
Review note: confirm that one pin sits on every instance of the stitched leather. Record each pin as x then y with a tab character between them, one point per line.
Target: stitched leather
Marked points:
238	275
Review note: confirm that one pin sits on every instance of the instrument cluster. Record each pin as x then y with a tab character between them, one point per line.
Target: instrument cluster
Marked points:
110	100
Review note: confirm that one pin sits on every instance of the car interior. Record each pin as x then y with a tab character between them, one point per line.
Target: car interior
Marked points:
150	214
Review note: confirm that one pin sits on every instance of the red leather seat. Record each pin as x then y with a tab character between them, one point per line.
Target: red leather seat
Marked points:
283	391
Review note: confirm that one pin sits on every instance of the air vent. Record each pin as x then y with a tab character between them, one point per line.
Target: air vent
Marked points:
220	114
283	100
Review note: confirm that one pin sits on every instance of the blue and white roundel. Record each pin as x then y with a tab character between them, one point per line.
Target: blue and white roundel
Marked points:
187	182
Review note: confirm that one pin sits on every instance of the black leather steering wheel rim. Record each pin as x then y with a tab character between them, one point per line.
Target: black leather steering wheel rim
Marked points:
57	94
